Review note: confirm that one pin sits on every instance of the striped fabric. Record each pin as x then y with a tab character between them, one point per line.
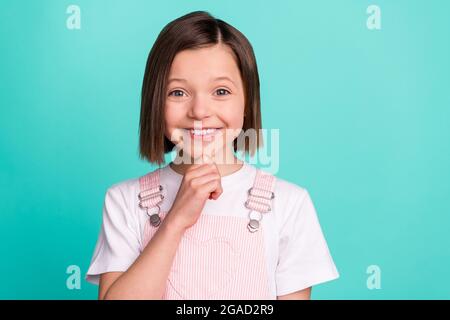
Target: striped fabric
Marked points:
150	194
217	257
261	195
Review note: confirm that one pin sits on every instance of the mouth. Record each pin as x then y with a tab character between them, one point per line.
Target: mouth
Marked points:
204	133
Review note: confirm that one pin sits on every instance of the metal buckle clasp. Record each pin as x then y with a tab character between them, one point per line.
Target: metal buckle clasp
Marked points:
155	219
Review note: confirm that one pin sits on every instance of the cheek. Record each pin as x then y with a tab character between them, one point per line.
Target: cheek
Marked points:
172	117
233	114
173	114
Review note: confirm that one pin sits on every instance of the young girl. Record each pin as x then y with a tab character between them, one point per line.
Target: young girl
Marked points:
203	227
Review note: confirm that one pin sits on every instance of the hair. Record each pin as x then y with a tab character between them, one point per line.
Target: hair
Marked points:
194	30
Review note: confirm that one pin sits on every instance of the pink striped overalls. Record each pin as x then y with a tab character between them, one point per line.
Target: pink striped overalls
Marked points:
219	257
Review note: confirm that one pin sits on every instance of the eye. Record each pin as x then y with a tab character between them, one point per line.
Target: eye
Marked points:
222	92
176	93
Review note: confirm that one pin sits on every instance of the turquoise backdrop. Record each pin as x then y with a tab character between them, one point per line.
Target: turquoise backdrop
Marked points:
363	117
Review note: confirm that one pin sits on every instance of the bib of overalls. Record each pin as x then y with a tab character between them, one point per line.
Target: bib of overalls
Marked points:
218	257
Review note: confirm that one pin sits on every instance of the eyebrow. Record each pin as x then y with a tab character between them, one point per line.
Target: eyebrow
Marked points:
215	79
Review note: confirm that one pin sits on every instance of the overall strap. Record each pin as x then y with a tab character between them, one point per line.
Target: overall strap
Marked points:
150	195
260	198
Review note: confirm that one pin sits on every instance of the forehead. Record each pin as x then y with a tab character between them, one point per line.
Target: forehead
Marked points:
199	65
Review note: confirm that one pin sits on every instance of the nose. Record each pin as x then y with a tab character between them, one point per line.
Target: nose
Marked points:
200	108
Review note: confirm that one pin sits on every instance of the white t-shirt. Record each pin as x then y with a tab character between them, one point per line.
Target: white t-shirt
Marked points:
297	254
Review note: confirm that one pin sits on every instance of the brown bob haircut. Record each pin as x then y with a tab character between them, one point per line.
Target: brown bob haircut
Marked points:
195	30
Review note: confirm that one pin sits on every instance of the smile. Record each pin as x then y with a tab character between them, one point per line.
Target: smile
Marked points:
206	133
203	132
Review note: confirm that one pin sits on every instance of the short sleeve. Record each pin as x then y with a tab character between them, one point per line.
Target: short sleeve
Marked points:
304	258
117	245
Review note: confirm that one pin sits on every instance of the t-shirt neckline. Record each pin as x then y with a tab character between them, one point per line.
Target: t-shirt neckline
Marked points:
229	180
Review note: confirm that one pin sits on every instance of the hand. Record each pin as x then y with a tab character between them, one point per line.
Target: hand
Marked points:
200	183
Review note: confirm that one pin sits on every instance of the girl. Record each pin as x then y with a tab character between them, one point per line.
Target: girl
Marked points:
208	225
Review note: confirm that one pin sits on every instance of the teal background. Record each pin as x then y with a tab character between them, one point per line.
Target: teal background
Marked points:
363	118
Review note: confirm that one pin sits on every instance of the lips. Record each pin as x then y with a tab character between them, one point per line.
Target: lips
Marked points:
204	133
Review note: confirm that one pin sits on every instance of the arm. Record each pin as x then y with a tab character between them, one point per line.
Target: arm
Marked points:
146	277
304	294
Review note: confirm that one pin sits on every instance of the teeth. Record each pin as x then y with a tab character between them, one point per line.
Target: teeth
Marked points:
201	132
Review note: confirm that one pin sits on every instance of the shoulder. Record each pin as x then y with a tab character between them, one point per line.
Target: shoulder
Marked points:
130	187
123	194
124	187
290	202
289	190
288	194
126	192
291	196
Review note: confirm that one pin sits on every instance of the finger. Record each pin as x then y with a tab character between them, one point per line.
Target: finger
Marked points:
207	159
211	187
208	153
210	149
215	167
217	192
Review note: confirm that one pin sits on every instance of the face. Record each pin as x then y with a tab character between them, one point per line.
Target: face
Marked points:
204	109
